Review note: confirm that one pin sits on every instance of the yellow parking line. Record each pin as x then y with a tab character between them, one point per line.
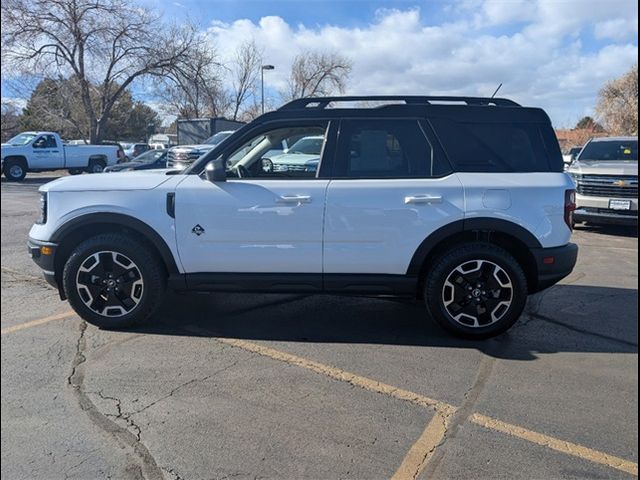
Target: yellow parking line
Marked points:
421	451
562	446
35	323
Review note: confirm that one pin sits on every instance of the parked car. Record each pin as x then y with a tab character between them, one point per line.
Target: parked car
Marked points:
571	155
182	156
304	155
459	201
153	159
134	149
42	151
606	176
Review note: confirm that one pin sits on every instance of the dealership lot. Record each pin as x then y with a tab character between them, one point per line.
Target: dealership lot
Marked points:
294	386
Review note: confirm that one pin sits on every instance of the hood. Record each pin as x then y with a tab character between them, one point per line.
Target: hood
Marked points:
116	181
294	159
604	167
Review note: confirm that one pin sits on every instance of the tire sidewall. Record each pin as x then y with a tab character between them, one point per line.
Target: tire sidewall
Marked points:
149	269
92	166
7	170
456	256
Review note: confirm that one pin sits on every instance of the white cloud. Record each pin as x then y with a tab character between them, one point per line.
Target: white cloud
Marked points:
543	62
620	29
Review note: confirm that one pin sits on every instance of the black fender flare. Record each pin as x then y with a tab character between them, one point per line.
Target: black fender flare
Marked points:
125	221
480	224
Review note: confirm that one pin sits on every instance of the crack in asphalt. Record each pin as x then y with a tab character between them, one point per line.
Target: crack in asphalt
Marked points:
145	466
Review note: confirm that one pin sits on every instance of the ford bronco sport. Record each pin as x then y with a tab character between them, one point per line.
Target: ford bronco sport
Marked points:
461	202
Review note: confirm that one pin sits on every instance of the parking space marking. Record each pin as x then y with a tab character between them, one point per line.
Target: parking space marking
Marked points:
420	452
35	323
556	444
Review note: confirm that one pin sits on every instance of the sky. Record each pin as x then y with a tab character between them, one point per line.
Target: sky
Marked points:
555	54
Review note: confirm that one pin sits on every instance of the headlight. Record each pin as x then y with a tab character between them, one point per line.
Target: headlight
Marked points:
43	208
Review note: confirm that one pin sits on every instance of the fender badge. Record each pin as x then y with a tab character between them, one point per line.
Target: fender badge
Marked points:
198	230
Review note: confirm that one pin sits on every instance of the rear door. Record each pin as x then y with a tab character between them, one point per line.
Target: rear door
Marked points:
391	187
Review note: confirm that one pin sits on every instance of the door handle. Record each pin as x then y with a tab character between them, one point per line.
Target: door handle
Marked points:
423	199
294	199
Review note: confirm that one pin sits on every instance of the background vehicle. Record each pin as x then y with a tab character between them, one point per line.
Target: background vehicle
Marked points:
606	176
182	156
134	149
195	131
415	199
41	151
152	159
302	155
571	155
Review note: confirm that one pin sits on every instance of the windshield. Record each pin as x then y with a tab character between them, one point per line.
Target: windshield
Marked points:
150	156
308	145
217	138
22	139
610	150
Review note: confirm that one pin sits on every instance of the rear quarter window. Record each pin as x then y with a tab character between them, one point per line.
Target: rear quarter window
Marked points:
499	147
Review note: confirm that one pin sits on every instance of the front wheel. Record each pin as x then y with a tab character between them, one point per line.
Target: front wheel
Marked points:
475	290
15	170
113	281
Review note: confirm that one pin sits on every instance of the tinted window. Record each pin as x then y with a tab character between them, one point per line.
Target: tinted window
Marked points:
610	150
498	147
382	149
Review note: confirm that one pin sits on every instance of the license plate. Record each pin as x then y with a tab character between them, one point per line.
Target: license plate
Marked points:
620	204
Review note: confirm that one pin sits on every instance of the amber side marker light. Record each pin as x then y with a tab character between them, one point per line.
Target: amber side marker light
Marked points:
46	250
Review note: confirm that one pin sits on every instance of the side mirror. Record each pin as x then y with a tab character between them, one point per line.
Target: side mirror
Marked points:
215	171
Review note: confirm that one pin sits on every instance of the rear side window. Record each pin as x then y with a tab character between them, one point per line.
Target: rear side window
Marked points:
382	149
498	147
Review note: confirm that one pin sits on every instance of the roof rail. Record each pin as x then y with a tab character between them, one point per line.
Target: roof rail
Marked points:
323	102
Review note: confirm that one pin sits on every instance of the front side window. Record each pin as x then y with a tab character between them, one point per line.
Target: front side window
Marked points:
267	155
382	149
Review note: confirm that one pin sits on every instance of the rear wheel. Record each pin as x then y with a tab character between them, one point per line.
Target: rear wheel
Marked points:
15	170
113	281
75	171
96	166
476	290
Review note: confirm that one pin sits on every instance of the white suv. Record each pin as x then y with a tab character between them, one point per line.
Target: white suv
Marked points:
461	202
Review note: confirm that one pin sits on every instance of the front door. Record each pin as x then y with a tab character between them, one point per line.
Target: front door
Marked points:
47	154
265	220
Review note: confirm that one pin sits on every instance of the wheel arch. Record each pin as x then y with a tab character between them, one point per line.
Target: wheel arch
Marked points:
20	158
69	235
514	238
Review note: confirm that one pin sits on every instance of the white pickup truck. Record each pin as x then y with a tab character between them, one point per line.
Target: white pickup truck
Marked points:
41	151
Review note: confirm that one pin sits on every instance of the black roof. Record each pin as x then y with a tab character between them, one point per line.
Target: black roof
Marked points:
466	109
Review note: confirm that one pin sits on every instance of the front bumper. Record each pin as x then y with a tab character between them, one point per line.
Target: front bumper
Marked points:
553	264
605	216
43	254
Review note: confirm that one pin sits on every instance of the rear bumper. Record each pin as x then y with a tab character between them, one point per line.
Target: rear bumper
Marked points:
45	261
605	216
553	264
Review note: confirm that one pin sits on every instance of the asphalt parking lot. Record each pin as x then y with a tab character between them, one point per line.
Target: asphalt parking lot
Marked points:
226	386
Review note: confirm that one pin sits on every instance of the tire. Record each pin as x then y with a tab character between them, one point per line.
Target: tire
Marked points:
475	290
75	171
109	263
15	170
96	166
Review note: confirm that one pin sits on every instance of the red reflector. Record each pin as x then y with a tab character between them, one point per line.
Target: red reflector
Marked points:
549	260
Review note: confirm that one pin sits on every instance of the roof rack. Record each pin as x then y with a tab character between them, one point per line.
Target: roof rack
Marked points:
321	103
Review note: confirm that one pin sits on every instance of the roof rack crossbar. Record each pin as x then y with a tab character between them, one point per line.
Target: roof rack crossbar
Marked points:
321	103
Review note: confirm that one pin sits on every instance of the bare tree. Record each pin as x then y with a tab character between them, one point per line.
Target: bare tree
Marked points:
105	44
318	73
618	104
245	70
9	120
193	88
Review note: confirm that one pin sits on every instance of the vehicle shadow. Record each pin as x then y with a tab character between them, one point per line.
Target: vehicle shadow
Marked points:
30	181
566	318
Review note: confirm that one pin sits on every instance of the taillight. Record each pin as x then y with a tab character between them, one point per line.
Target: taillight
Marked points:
569	207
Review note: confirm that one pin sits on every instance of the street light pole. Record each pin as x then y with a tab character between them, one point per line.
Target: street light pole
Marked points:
264	67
